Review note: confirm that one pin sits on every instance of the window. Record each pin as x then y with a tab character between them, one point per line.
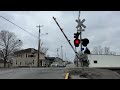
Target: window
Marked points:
31	55
19	55
20	63
26	55
95	61
16	62
33	61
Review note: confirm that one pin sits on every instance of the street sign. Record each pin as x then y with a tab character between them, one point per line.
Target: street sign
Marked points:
82	49
80	23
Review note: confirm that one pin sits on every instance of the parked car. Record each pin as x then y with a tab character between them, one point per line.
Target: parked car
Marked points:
61	65
54	65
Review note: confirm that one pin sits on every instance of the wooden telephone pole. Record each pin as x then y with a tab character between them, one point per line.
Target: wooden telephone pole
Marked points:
39	44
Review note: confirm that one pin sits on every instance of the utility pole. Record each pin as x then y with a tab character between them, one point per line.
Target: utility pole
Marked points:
57	52
39	45
61	52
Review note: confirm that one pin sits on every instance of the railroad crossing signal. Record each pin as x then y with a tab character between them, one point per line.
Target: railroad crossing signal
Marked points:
82	49
80	23
87	51
76	42
76	35
85	42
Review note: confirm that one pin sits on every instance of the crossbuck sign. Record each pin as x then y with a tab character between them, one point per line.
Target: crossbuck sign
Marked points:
80	23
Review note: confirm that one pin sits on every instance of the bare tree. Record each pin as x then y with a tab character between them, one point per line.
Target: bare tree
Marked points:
107	50
44	50
95	50
100	50
112	53
47	55
8	44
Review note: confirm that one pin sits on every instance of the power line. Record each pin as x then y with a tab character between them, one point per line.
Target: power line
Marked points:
18	26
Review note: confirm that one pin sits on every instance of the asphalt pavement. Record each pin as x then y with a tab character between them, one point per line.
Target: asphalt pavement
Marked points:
33	73
57	73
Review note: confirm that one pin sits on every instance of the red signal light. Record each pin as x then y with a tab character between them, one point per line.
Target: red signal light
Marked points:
76	42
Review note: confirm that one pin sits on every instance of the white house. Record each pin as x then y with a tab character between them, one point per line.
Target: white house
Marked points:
28	57
104	60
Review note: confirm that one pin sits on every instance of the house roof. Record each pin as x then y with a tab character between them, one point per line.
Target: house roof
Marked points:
58	58
27	50
50	58
53	58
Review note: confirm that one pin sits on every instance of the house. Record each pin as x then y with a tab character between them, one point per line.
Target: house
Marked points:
59	60
50	60
28	58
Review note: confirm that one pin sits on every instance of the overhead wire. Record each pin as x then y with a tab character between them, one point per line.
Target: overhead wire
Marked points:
18	26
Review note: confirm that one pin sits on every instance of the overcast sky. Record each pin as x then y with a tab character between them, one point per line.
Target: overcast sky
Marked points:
103	28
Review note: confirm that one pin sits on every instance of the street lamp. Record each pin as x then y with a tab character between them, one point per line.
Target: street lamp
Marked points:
44	34
58	52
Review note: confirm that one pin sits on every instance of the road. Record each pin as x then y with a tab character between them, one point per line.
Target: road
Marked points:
33	73
56	73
